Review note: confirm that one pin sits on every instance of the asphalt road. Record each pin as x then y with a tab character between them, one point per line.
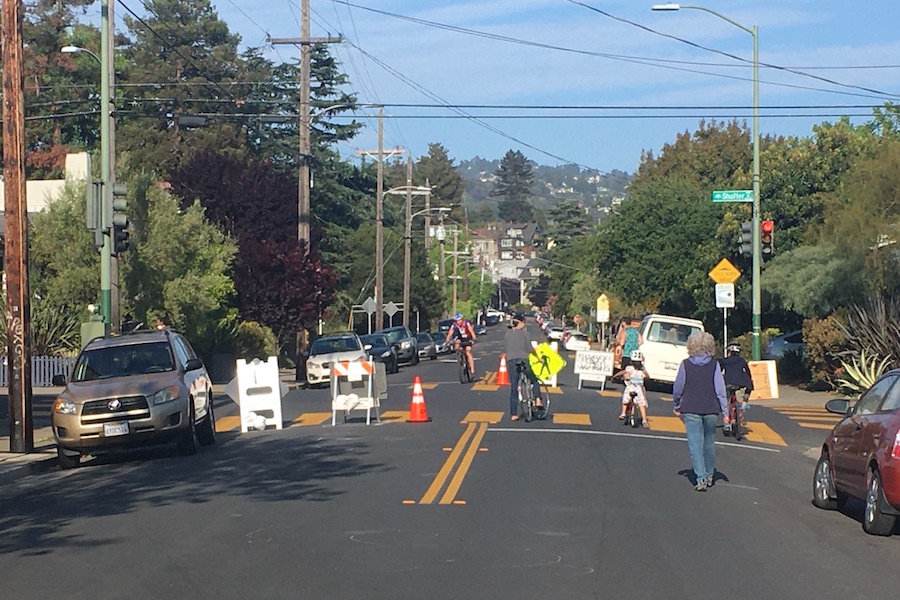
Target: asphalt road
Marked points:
470	505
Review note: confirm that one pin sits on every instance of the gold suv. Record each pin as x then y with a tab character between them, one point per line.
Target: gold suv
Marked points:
135	389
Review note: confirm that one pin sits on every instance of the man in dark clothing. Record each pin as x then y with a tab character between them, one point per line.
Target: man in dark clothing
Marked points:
736	372
518	347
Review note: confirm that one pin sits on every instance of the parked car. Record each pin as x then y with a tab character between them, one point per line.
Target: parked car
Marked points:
573	341
444	325
138	389
427	347
778	346
405	342
479	329
860	458
380	349
439	338
555	333
665	344
328	350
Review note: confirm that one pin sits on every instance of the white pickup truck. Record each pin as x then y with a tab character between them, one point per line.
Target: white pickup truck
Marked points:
665	344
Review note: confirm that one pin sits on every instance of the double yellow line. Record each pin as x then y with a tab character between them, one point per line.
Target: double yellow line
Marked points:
461	454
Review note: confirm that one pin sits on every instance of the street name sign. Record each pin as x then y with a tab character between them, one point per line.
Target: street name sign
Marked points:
732	196
724	272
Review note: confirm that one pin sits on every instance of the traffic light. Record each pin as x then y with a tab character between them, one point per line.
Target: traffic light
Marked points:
95	212
119	235
766	239
747	237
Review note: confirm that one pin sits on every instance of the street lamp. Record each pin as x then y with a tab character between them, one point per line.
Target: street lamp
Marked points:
755	283
105	177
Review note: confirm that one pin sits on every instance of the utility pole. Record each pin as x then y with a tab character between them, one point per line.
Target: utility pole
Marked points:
110	154
18	295
428	215
303	132
379	218
106	250
407	235
455	266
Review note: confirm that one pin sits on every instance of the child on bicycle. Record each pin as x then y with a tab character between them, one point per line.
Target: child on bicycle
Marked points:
736	373
464	335
518	347
634	375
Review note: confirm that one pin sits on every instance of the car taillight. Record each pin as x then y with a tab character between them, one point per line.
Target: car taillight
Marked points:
895	451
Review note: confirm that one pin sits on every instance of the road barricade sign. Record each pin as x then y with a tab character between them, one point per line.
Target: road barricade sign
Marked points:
259	392
357	385
546	362
592	365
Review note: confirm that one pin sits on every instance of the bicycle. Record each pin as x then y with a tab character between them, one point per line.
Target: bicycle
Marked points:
527	403
633	417
462	365
736	413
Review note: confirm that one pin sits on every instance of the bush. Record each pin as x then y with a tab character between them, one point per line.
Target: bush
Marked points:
824	345
254	340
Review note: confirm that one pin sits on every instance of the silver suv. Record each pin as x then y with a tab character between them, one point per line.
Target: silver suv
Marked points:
136	389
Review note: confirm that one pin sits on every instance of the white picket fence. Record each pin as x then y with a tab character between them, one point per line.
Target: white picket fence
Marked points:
43	368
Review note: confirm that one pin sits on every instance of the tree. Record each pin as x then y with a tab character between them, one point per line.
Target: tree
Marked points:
437	169
513	185
568	220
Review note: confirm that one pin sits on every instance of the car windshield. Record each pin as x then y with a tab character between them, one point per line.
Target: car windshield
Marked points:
395	336
423	337
671	333
329	345
375	340
120	361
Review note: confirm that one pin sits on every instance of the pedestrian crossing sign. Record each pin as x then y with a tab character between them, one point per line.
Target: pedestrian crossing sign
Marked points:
545	362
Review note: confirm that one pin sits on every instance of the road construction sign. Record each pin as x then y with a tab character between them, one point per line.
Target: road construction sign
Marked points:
545	362
724	272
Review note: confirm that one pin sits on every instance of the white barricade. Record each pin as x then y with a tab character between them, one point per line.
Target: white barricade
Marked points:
591	365
259	391
357	385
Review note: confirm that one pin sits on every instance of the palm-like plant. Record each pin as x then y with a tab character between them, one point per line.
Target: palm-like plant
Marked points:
861	373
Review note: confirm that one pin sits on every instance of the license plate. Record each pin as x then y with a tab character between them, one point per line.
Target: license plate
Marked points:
670	366
114	429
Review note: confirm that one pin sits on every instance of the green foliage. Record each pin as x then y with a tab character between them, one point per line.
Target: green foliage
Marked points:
813	280
437	169
824	344
55	327
567	221
872	327
255	340
513	184
861	372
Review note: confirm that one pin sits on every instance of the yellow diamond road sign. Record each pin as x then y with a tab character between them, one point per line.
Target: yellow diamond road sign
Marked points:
724	272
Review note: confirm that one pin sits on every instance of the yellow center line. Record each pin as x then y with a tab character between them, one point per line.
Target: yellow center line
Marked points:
460	475
442	475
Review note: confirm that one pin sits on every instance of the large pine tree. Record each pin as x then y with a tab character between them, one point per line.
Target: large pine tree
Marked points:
513	185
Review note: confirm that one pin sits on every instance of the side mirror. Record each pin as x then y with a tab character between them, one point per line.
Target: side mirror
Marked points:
367	347
193	364
838	406
58	380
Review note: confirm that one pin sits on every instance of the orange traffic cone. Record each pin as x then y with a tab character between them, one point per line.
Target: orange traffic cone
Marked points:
417	411
502	373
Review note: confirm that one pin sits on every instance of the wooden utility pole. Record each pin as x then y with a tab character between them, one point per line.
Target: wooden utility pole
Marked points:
407	239
115	310
18	296
303	132
379	218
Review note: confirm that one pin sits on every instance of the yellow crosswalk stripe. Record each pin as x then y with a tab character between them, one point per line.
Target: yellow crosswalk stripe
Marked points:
760	432
425	386
609	393
228	423
314	418
485	387
571	418
482	416
667	424
815	425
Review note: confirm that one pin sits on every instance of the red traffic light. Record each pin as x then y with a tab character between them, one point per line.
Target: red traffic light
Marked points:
768	226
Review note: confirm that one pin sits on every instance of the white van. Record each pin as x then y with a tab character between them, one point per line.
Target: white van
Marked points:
665	344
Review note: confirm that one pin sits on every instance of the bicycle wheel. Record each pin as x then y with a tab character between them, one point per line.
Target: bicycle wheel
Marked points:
737	423
462	366
527	398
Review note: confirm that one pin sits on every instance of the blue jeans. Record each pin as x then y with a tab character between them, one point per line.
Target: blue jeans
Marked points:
701	439
514	384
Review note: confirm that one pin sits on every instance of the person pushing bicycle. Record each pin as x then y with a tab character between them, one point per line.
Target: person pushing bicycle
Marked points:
518	348
736	373
464	335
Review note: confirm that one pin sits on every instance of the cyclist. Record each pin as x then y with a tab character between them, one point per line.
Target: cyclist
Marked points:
634	375
736	372
464	335
518	347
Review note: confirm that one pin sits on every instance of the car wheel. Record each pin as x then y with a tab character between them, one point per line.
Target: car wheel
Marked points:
876	520
415	359
394	366
67	461
207	432
824	495
434	356
187	445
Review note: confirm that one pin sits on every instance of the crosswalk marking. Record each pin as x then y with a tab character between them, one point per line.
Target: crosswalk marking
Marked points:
313	418
482	416
571	418
809	417
228	423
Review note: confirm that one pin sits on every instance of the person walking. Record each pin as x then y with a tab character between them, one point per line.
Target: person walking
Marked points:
698	397
518	347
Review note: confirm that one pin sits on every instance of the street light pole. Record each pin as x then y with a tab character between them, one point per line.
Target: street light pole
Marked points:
755	217
410	191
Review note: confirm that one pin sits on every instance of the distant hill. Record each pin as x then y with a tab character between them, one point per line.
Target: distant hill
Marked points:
595	190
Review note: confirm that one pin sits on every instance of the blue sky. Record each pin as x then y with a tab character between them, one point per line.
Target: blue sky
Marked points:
564	53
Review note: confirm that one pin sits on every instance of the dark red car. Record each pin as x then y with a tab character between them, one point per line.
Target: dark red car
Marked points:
861	456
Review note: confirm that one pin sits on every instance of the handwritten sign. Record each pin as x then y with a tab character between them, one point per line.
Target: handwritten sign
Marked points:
591	365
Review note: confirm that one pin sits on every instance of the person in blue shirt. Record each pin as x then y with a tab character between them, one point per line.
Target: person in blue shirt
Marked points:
698	398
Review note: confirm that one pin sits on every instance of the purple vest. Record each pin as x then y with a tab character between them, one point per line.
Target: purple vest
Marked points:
699	395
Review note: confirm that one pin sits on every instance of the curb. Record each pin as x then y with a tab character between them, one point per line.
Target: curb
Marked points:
19	466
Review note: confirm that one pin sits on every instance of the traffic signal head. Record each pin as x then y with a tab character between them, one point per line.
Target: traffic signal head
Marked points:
766	239
119	219
747	237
